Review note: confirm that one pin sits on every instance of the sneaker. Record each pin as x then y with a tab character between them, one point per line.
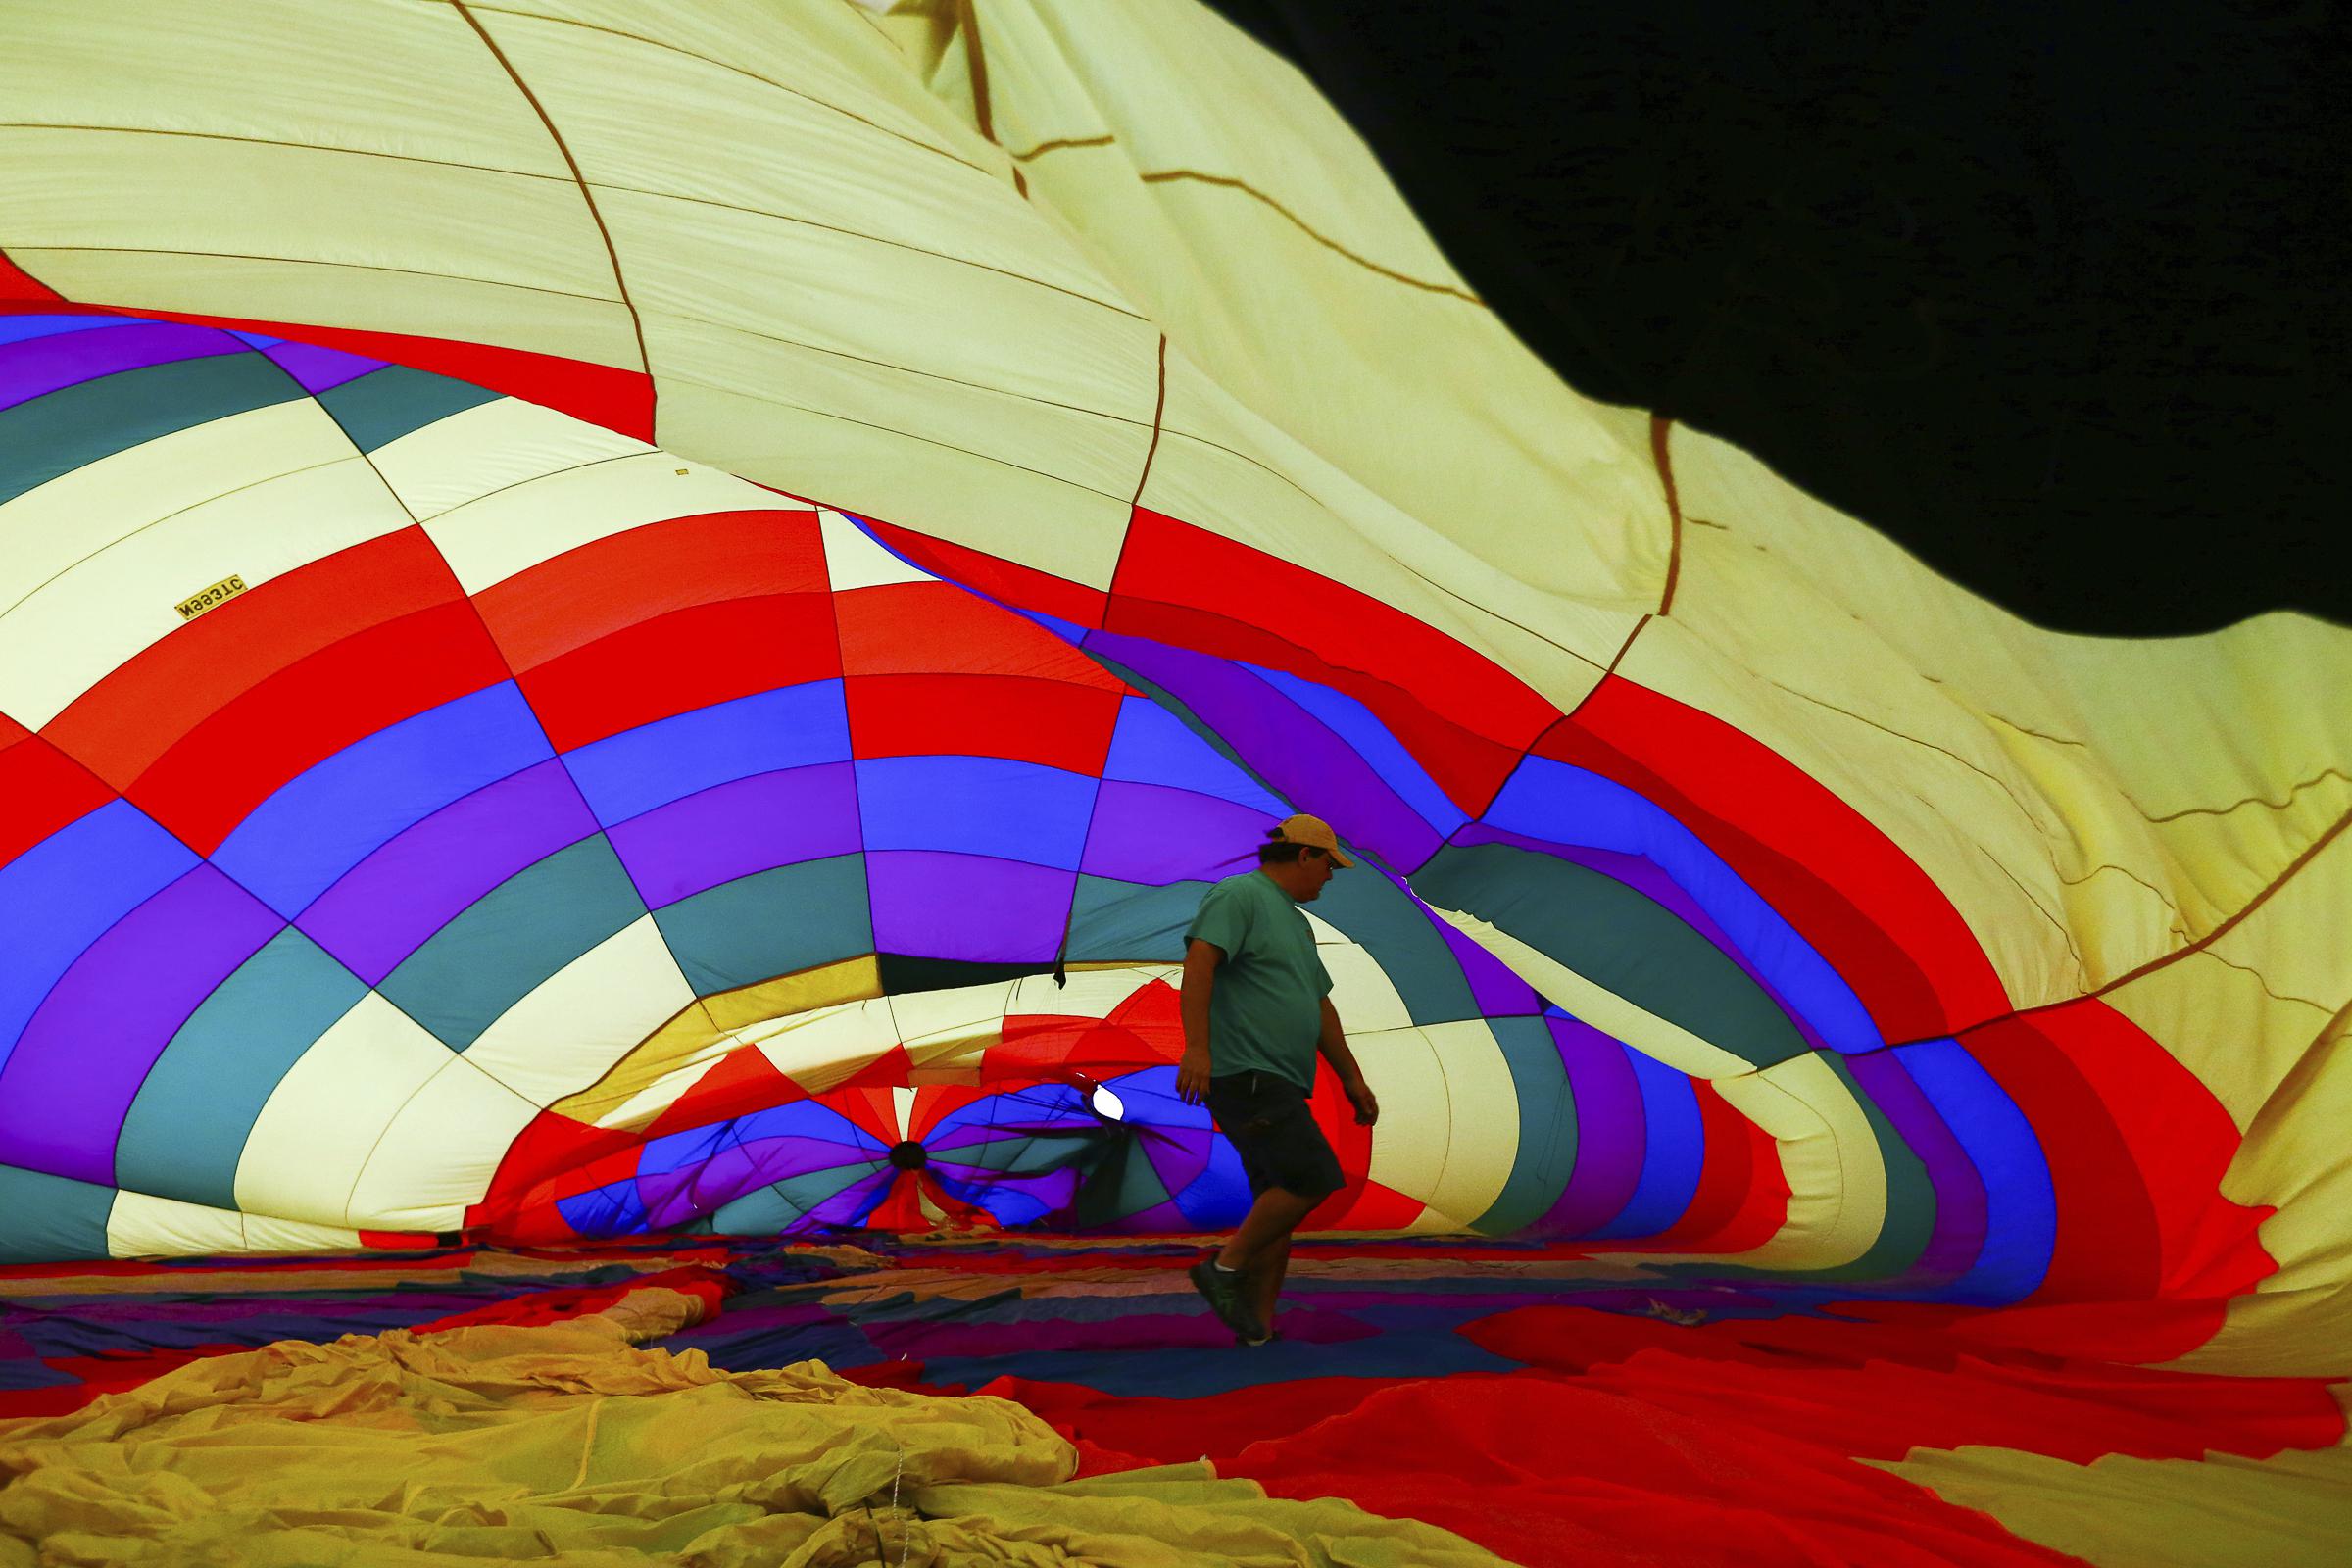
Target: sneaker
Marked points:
1221	1289
1271	1335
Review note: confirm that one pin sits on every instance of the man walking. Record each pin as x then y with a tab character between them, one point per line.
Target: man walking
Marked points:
1257	1009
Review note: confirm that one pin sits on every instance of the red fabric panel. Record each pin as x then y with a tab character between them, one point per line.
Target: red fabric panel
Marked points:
934	628
1175	563
1005	581
2138	1167
45	789
618	399
19	285
684	660
1053	722
1889	930
739	1083
1349	1140
120	726
1743	1196
537	1168
611	584
203	787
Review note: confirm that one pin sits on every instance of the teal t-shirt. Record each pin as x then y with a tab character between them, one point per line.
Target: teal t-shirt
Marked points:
1266	1012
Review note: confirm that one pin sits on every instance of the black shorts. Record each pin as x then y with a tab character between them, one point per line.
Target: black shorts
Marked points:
1265	1117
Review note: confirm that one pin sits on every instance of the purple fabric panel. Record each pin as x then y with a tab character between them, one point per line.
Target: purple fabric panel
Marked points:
1154	835
1498	992
1293	751
931	904
40	366
751	824
734	1169
320	369
1611	1134
1645	877
89	1047
1960	1206
387	905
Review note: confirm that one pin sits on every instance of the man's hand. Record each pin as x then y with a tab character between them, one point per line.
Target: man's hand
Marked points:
1362	1097
1191	1077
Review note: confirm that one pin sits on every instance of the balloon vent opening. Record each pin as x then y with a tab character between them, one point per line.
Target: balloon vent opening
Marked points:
909	1155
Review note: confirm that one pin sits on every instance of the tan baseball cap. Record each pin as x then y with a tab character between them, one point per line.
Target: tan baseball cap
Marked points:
1305	829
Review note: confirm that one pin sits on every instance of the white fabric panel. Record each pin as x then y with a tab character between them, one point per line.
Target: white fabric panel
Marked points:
78	628
48	528
903	473
1482	1121
1090	993
1836	1176
492	446
1411	1139
646	1106
771	148
365	299
816	49
853	561
317	1130
142	1225
110	190
1222	466
818	1050
439	1151
428	90
579	1021
489	540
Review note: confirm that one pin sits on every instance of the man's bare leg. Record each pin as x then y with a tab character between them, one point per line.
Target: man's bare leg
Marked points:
1276	1213
1265	1278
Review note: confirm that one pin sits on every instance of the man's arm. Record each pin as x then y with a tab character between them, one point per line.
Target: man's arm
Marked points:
1333	1043
1200	960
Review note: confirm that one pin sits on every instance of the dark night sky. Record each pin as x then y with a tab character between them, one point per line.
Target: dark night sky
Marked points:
2057	296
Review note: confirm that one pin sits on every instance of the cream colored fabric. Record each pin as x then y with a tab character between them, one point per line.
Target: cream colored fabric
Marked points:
562	1442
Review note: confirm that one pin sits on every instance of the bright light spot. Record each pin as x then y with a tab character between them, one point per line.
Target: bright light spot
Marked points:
1107	1105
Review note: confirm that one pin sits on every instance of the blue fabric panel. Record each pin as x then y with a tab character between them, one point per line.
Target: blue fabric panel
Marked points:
623	775
335	813
18	328
48	1219
385	405
1152	746
613	1209
523	931
1547	800
185	1131
775	923
1362	729
976	805
65	892
2020	1206
1671	1153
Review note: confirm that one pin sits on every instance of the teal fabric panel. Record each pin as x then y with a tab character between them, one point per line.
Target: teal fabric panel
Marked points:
384	405
770	923
1131	922
1375	912
48	1219
1548	1128
514	937
1617	938
187	1129
77	426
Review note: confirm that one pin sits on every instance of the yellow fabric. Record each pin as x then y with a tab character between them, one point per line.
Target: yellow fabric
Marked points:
564	1443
